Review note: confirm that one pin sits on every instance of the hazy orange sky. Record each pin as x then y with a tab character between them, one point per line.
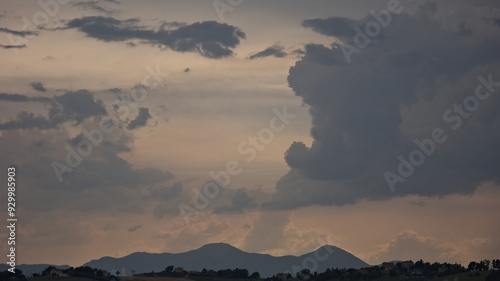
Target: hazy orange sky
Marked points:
193	87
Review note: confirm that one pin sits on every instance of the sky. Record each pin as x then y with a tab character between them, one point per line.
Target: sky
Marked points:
273	126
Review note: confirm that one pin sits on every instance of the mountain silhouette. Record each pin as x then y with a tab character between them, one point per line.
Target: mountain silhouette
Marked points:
218	256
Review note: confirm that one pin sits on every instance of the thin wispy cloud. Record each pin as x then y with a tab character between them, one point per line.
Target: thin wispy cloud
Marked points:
272	51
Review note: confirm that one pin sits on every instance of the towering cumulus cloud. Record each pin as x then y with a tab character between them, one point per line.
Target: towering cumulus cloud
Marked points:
412	79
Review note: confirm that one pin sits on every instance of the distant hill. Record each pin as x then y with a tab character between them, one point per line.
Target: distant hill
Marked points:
29	269
216	256
222	256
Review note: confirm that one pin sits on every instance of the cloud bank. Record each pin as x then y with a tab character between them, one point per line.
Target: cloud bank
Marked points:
407	81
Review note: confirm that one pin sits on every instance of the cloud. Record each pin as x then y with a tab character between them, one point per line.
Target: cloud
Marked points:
12	46
164	193
367	113
69	107
239	202
96	6
103	180
134	228
38	86
335	26
23	98
209	38
141	120
274	50
408	244
23	33
78	106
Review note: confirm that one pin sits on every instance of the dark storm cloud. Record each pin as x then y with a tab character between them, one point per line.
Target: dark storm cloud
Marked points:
141	120
368	112
69	107
38	86
274	50
23	33
335	26
208	38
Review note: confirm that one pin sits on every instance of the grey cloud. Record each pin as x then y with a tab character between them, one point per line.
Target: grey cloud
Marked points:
134	228
114	90
12	46
363	111
102	181
23	98
96	6
38	86
77	106
164	193
274	50
23	33
141	120
71	106
208	38
27	120
335	26
240	202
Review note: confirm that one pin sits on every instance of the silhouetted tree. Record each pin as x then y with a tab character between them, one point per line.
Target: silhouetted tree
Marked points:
485	264
240	273
255	275
472	265
46	272
495	264
6	275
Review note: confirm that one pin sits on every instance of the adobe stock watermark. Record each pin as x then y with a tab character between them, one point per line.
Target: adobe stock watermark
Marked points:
49	9
95	137
222	178
454	117
372	29
223	6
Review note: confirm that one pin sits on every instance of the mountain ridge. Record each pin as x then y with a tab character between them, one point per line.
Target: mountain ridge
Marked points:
219	256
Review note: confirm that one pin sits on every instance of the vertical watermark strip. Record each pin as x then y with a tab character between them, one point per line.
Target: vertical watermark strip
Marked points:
11	220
